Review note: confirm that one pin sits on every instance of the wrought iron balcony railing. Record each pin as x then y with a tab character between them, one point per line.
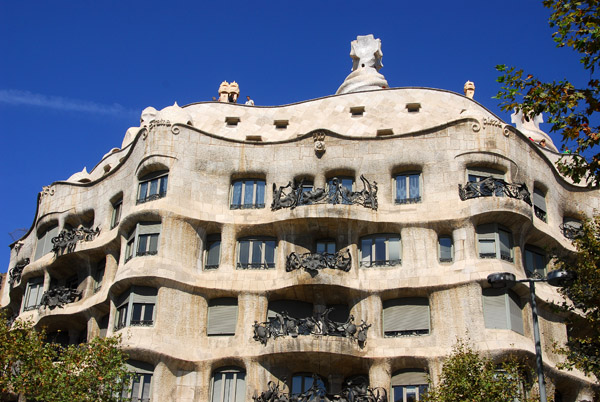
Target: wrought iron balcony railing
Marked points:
570	231
333	193
540	213
380	263
255	265
246	206
319	324
151	197
14	275
141	323
67	239
412	332
401	201
494	187
59	296
314	262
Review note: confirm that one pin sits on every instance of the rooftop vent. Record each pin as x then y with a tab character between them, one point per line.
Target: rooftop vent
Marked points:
254	138
384	131
232	121
413	107
281	124
356	111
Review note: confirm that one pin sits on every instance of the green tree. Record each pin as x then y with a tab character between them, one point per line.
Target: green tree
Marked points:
582	298
469	377
34	369
571	110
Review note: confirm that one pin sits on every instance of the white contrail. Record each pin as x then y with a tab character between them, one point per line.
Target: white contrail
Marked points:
17	97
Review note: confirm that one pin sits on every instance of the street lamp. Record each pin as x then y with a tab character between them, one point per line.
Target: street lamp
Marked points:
501	280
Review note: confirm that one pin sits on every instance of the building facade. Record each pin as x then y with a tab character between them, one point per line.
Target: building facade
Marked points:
238	249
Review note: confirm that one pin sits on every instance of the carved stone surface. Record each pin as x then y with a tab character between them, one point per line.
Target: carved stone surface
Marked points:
59	296
469	89
351	392
492	186
313	262
14	275
333	193
67	239
46	190
366	61
319	138
319	324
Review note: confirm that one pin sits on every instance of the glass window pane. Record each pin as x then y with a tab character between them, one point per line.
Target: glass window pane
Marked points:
143	190
228	391
398	394
153	243
394	249
153	187
248	193
142	243
445	248
217	387
296	385
380	249
135	389
214	250
270	252
308	382
505	242
487	247
414	189
331	248
321	247
365	250
146	389
240	390
260	192
257	247
540	261
401	187
137	311
163	184
244	252
347	183
236	199
148	311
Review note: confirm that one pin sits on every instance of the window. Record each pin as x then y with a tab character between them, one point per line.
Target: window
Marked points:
326	246
408	188
345	183
502	310
303	382
479	174
380	250
116	213
409	385
136	307
143	240
446	248
535	261
294	308
44	243
140	385
539	204
494	241
99	275
153	186
256	253
406	316
248	193
228	385
213	251
33	293
222	316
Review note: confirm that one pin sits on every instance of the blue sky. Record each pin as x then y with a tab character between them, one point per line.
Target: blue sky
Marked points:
75	75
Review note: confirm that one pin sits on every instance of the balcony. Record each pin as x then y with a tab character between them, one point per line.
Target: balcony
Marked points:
494	187
314	262
59	296
67	239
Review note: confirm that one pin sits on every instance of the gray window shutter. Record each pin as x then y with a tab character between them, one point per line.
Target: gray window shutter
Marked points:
148	228
406	314
485	172
406	377
515	313
295	308
539	199
222	316
494	308
143	294
44	243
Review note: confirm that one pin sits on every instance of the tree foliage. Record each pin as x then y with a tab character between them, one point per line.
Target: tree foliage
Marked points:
572	111
583	300
469	377
32	368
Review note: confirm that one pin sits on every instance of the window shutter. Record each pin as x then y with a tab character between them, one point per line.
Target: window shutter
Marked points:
494	308
515	313
485	172
410	378
143	294
394	251
148	228
222	316
44	243
406	314
539	199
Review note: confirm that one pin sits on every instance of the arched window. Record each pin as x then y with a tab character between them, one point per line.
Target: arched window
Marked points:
247	193
256	253
213	251
406	316
44	242
409	385
445	248
153	186
140	386
135	307
228	384
407	188
143	240
380	250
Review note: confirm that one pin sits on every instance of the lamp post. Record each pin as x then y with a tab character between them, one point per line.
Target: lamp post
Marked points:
555	278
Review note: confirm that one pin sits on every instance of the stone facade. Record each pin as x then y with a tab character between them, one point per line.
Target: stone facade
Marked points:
179	190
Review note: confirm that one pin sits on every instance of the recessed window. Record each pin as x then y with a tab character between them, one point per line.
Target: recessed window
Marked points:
247	193
476	175
326	246
409	385
116	213
445	248
256	253
213	251
222	316
380	250
140	385
228	385
384	132
357	111
281	124
346	185
294	308
44	243
413	107
143	240
494	241
535	261
232	121
539	204
135	307
407	316
502	310
99	275
255	138
33	293
302	382
408	188
153	186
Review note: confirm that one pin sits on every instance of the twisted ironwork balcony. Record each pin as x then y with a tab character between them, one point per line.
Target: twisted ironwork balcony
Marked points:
334	193
149	252
319	324
247	206
67	239
59	296
313	262
14	275
540	213
412	332
255	265
503	256
141	323
570	231
151	197
402	201
351	391
380	263
494	187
